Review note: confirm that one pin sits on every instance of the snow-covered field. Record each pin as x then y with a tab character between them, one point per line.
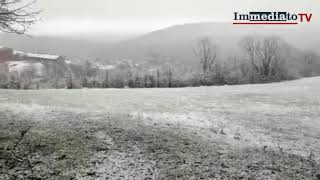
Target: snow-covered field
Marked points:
269	131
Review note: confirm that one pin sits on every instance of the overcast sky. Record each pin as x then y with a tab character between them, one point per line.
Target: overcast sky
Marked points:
138	16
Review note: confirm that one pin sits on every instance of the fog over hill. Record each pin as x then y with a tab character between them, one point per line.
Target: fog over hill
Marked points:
170	44
178	41
51	44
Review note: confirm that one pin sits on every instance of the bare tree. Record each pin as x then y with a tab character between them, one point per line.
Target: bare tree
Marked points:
169	74
248	44
16	16
310	65
268	53
26	77
263	54
106	79
207	54
158	77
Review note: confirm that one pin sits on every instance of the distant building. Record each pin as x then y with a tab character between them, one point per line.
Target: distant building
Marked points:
18	61
6	54
44	58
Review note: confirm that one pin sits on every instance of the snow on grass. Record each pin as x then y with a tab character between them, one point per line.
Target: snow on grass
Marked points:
152	123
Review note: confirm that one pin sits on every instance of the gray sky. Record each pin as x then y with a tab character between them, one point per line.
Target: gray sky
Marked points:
138	16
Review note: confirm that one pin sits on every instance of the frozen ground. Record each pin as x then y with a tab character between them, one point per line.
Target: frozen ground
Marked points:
269	131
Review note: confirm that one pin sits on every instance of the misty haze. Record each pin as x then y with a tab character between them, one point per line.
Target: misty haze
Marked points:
150	89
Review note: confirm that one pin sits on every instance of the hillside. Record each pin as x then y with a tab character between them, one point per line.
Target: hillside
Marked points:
170	44
72	47
177	42
229	132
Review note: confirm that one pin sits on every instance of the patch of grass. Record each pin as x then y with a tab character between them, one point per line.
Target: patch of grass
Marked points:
44	153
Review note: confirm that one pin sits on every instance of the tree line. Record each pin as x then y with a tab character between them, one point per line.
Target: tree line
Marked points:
262	60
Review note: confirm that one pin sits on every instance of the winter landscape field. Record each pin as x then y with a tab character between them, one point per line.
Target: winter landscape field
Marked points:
159	90
262	131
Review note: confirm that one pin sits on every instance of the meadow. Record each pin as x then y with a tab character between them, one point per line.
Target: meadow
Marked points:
261	131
